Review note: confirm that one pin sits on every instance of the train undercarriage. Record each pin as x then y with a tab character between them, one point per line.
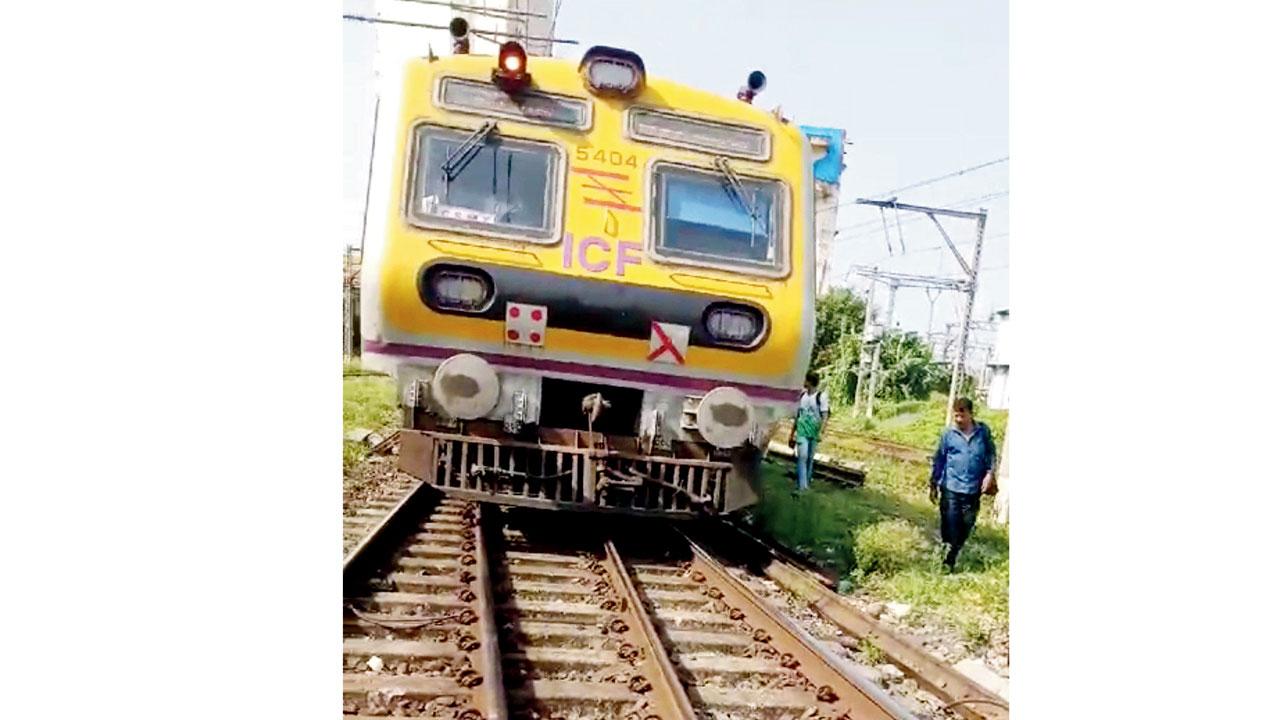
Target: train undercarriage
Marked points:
600	459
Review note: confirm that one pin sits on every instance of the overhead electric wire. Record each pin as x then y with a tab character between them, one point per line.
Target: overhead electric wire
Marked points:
478	9
383	21
843	235
923	183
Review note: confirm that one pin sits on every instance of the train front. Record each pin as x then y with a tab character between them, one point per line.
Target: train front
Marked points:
596	290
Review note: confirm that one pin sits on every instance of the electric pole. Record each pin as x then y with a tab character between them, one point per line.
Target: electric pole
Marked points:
968	312
860	392
970	285
875	356
869	353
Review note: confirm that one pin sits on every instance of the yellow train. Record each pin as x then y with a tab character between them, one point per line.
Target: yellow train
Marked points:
597	287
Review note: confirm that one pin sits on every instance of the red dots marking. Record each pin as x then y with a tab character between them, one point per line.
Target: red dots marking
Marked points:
513	335
515	312
536	315
535	337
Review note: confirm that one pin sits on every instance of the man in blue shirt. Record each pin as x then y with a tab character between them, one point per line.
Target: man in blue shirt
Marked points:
964	468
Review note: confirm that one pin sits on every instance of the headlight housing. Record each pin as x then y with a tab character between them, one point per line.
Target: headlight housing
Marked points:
732	324
612	72
450	288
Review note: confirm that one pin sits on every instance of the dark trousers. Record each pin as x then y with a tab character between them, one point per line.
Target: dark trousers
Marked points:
959	513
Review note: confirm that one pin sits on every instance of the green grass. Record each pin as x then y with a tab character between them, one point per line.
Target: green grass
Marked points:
884	538
368	402
917	423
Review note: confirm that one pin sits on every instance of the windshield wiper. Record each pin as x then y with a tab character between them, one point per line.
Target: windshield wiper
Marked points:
734	183
458	160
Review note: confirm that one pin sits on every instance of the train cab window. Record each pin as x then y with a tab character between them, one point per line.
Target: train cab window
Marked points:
712	217
484	182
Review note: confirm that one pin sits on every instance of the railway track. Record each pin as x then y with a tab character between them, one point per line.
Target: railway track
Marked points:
454	611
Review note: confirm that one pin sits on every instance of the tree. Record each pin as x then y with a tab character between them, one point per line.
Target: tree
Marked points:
837	341
908	370
840	313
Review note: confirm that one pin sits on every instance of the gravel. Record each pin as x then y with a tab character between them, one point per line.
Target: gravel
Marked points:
904	690
367	481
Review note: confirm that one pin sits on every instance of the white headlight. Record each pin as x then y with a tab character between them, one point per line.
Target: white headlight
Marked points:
734	325
612	75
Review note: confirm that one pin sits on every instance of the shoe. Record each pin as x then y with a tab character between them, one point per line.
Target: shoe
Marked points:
950	560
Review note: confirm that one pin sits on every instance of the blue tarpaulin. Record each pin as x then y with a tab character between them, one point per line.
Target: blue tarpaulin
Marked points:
827	168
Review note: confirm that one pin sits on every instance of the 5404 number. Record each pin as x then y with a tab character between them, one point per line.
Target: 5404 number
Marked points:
611	157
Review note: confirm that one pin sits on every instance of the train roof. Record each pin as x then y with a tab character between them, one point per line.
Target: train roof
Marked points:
561	75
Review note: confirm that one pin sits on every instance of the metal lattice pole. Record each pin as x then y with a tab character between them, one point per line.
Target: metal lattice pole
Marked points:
864	359
874	376
970	293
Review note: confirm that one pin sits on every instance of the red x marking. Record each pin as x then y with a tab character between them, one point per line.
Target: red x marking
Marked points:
618	201
666	345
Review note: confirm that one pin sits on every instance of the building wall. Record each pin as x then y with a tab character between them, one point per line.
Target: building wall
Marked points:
828	166
1000	362
826	198
998	389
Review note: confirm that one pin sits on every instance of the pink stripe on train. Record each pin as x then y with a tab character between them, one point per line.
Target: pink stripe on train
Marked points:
762	392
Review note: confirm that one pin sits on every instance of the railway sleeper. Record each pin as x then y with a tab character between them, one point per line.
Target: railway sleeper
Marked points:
410	604
432	550
559	659
718	669
549	591
666	581
697	641
554	573
517	558
581	700
679	599
693	620
754	704
430	696
559	612
435	632
527	633
432	565
428	584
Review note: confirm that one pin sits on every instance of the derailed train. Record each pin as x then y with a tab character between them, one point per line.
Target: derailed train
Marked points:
596	290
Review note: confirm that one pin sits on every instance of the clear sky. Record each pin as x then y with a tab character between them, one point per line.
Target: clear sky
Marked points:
921	88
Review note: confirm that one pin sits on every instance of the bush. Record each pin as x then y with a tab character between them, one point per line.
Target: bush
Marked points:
889	546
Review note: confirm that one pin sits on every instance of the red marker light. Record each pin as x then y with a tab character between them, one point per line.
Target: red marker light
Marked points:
511	74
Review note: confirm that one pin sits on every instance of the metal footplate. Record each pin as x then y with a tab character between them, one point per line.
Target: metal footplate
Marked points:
580	471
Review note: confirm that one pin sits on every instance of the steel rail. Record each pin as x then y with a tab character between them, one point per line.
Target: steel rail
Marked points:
410	640
379	530
673	691
490	656
933	675
837	691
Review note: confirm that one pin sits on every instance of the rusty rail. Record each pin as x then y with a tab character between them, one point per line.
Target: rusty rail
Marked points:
672	691
410	644
967	697
490	656
934	676
380	527
836	692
